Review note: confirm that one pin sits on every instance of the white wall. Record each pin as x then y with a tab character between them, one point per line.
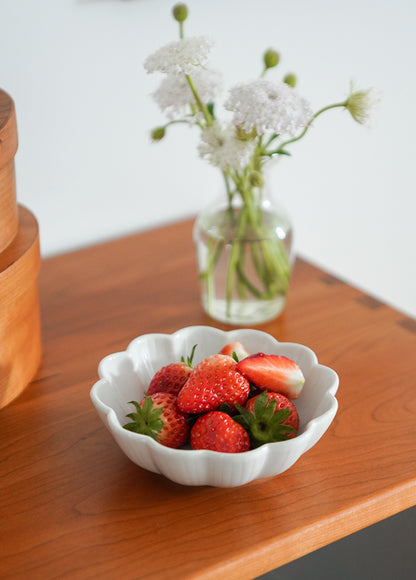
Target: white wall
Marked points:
87	170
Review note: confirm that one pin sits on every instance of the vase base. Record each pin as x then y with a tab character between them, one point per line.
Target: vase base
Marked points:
244	312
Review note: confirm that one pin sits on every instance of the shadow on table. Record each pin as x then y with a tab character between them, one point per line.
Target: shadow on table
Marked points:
384	551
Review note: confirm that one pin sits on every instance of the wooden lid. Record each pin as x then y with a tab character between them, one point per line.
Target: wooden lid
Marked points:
8	129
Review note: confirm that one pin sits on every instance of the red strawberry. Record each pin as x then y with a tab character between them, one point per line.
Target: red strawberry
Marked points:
172	377
237	348
268	417
159	417
282	402
271	372
213	381
219	432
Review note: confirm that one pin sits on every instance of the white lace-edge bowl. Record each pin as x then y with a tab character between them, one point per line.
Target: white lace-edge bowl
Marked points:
125	376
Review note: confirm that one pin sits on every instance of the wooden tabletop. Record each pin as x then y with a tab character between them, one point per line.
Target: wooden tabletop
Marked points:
73	506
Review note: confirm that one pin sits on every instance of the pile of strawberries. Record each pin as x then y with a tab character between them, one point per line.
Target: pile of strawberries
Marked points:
232	401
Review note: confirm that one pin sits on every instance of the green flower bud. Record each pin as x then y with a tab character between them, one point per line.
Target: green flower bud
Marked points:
180	12
158	133
256	179
271	58
241	135
290	80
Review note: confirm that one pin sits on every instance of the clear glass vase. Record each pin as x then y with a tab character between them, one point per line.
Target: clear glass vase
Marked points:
244	254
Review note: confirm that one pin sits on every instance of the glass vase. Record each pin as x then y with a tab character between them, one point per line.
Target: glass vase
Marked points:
244	255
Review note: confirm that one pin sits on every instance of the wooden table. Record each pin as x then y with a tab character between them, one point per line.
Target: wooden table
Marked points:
73	506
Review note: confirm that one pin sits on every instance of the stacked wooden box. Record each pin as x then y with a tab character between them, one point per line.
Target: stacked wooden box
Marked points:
20	334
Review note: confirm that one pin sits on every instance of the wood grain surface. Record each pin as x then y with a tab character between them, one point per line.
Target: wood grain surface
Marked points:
8	147
20	334
73	506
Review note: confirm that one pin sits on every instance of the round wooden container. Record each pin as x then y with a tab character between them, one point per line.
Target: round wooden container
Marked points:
20	334
8	147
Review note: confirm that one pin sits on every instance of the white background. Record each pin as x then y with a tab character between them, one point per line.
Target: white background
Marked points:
86	167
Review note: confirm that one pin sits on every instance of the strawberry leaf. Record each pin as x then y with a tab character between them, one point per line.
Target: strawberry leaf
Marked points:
264	425
190	358
146	420
225	408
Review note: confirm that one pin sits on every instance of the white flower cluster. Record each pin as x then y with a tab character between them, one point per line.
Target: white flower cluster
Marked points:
174	93
268	106
180	56
220	147
260	107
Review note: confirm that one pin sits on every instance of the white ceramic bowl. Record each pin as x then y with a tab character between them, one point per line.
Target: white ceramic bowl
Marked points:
124	376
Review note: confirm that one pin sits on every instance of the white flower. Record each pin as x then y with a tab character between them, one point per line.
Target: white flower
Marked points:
221	148
268	107
174	94
180	56
362	105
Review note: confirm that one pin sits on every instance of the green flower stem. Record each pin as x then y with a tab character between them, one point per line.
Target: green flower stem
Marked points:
282	146
177	121
234	259
269	256
247	282
202	107
277	262
269	142
272	262
214	253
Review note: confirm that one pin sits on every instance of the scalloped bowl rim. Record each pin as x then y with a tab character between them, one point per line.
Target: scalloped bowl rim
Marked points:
125	373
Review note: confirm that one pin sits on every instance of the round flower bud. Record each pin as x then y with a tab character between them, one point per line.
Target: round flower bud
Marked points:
256	179
271	58
158	133
180	12
290	80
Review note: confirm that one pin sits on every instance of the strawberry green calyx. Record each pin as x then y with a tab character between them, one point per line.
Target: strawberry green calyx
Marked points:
265	424
158	417
146	420
189	359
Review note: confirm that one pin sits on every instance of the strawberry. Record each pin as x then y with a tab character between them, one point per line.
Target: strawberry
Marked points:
268	417
213	382
172	377
237	348
282	402
159	417
217	431
271	372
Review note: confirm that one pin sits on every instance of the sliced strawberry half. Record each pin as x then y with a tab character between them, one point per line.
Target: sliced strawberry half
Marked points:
273	372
